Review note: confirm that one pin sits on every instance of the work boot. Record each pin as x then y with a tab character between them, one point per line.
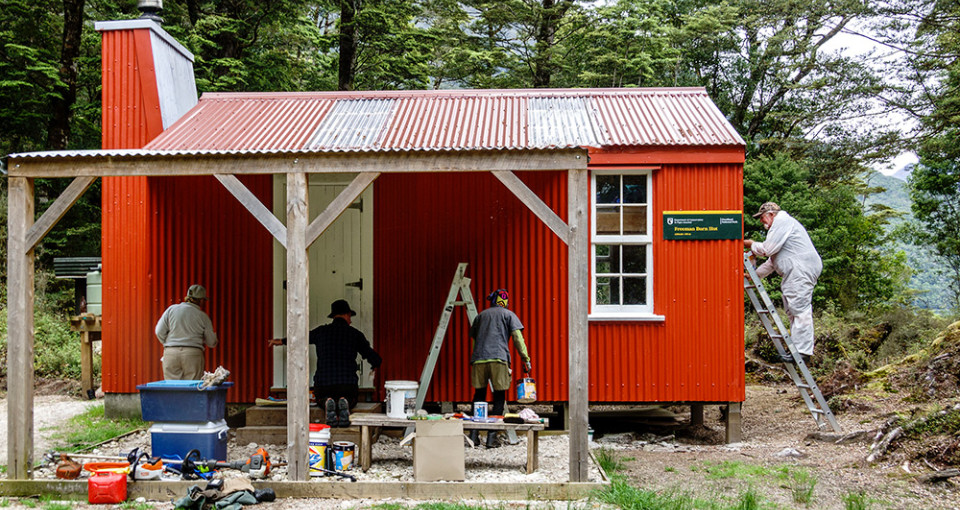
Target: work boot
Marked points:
475	437
331	407
344	412
492	440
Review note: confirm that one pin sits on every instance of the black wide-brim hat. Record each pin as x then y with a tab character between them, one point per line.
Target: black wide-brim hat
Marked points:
340	307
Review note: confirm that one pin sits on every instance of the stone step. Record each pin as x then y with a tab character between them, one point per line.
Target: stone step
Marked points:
262	416
271	434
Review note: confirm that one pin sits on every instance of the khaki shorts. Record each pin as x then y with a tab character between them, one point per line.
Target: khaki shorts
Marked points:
493	371
182	363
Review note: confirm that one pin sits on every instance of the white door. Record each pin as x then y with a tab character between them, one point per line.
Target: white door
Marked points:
340	262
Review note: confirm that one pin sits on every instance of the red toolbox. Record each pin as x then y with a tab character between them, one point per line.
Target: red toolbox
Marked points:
106	487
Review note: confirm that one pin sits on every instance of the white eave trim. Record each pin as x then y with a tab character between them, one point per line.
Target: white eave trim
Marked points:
132	24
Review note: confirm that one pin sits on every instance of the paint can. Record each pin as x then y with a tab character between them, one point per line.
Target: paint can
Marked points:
526	390
401	398
343	452
480	410
317	448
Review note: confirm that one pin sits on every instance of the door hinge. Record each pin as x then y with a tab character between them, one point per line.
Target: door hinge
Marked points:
358	284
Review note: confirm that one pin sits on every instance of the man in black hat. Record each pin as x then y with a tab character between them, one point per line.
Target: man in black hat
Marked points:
338	344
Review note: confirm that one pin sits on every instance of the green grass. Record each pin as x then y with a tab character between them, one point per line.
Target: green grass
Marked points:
4	502
624	496
29	502
856	501
133	505
91	428
670	469
608	461
802	484
735	469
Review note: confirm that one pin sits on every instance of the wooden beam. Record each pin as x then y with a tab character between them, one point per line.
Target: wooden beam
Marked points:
57	210
339	204
160	490
298	317
168	164
255	206
578	262
534	203
20	290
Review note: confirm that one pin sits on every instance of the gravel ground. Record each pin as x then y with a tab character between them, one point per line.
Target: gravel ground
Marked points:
775	425
50	412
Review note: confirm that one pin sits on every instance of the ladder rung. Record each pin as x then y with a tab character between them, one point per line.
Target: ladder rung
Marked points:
760	310
817	411
776	336
803	386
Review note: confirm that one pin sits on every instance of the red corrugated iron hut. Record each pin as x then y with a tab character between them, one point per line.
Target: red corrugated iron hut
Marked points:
613	216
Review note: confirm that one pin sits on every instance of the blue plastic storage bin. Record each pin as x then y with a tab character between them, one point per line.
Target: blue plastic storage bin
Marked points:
175	440
181	401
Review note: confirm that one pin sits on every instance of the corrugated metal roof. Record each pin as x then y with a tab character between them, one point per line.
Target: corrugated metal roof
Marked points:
297	122
450	120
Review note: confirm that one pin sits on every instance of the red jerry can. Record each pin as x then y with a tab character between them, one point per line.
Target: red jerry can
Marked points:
107	487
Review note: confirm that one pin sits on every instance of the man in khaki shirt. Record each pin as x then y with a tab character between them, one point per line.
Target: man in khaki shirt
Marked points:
184	329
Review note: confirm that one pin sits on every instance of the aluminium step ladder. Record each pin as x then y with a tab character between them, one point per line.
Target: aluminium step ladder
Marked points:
781	340
459	288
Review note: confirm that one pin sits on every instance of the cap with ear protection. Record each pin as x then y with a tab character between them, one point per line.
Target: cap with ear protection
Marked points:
499	297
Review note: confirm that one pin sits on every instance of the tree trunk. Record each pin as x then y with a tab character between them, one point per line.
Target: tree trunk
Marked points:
348	44
551	14
58	131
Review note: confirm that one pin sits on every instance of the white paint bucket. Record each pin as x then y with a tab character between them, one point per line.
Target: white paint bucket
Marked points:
401	398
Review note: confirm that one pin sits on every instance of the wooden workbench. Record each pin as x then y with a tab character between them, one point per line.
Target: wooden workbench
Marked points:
367	420
88	325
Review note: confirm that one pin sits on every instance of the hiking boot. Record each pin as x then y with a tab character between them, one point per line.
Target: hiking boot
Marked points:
344	412
331	407
475	437
788	358
492	440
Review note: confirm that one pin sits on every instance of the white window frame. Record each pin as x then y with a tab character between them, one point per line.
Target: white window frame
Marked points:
622	312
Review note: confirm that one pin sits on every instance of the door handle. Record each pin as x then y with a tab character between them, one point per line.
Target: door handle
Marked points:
358	284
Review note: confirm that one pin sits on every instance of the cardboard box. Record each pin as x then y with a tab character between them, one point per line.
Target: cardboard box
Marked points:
438	451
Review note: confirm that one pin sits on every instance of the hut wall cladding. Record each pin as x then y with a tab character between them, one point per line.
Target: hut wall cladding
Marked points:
162	234
427	223
128	122
696	354
202	234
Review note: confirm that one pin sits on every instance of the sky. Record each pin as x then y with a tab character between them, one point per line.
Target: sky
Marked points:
852	44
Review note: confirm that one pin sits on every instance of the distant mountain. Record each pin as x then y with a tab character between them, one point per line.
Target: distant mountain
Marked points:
904	172
927	281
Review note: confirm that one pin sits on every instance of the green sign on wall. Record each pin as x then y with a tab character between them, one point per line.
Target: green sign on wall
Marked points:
688	225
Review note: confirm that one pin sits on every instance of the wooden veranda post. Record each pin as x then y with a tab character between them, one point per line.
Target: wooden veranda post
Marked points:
19	328
298	323
578	244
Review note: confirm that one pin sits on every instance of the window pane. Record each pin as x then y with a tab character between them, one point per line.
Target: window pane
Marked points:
634	220
608	293
608	189
635	189
608	221
634	258
635	291
602	258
